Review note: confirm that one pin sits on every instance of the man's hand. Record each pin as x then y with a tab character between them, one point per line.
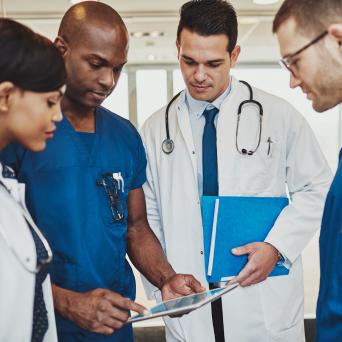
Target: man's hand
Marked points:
100	311
262	257
180	285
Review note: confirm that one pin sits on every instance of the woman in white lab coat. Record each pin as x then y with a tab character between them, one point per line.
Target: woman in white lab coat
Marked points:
273	309
32	75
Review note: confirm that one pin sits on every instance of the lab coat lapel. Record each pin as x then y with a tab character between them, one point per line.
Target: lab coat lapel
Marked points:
13	227
228	157
185	129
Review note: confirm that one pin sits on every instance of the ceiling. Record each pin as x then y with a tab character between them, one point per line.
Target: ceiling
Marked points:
152	16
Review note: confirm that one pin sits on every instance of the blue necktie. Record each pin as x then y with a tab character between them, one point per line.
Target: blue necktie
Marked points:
210	188
40	317
209	154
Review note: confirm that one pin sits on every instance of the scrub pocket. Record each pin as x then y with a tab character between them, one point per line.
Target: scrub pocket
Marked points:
113	198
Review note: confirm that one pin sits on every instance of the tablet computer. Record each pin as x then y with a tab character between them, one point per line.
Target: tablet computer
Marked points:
182	305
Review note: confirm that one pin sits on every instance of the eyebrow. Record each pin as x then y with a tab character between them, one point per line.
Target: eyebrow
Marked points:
120	65
98	57
312	42
207	62
105	62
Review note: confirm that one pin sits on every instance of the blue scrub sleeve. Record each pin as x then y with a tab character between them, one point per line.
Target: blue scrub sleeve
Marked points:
139	175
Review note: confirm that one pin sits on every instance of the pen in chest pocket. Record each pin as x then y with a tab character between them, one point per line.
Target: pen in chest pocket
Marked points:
118	177
269	141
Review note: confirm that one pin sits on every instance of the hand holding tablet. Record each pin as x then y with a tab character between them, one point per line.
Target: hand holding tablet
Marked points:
182	305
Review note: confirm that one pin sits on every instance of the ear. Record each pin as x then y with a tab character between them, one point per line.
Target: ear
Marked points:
234	56
178	48
62	45
335	31
6	89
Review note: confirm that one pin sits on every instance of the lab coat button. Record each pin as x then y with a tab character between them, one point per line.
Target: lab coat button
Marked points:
202	252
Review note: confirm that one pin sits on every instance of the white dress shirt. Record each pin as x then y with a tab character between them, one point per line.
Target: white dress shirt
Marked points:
197	122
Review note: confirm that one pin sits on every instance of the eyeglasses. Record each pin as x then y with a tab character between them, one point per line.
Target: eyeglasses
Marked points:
287	61
111	188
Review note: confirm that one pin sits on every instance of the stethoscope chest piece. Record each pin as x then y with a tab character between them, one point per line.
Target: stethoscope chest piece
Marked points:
168	146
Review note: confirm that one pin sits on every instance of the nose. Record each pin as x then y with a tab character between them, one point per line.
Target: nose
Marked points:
294	81
200	74
107	79
57	114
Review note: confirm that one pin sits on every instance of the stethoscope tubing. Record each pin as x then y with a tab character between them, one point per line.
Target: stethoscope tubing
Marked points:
168	143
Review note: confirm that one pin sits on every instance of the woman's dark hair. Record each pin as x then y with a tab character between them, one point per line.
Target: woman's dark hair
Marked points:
29	60
209	17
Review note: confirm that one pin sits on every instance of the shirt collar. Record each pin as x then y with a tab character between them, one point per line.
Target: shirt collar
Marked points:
8	180
197	107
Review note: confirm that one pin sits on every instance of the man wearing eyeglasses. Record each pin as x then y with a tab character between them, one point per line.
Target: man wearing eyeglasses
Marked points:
310	38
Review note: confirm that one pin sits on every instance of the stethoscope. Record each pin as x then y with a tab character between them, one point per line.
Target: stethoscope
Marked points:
168	144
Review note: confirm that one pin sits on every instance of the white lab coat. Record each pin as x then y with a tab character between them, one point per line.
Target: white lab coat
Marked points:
17	283
271	310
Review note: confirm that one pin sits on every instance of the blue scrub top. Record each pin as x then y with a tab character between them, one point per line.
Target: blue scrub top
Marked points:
329	305
75	213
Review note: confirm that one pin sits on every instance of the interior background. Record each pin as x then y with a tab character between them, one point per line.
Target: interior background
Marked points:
152	76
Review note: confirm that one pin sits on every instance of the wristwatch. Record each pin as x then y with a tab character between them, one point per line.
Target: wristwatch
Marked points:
281	259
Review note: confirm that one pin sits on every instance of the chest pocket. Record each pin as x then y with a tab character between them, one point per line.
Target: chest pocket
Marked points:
258	171
113	189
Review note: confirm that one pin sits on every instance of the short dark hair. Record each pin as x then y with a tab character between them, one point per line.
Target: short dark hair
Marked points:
209	17
29	60
312	16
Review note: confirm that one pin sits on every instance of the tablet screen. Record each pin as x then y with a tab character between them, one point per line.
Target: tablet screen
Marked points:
182	304
184	301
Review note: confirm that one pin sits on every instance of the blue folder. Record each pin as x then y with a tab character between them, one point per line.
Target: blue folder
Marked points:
239	220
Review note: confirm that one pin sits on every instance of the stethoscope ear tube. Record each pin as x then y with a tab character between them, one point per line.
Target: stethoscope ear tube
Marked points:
244	151
261	112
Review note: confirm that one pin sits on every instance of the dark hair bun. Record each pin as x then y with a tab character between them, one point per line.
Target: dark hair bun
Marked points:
28	59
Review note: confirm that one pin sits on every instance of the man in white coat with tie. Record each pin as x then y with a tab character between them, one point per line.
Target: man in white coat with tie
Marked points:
209	151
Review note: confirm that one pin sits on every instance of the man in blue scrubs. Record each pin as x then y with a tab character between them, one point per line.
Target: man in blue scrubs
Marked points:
310	37
85	190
